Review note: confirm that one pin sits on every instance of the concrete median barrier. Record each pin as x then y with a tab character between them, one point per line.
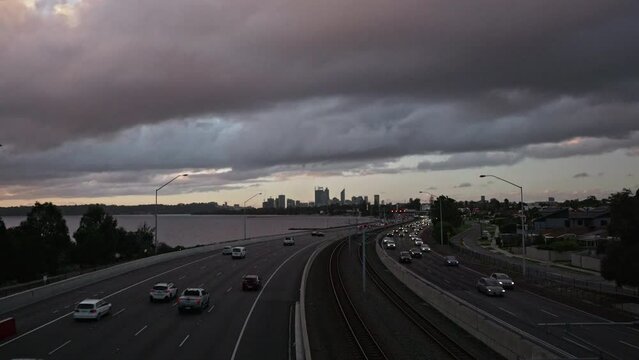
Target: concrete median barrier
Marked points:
507	340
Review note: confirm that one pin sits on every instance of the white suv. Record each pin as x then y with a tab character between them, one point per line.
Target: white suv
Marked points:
91	309
162	291
238	252
289	241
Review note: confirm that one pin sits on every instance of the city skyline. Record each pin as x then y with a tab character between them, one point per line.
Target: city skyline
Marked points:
348	99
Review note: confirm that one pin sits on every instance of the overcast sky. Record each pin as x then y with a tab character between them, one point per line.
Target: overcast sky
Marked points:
104	100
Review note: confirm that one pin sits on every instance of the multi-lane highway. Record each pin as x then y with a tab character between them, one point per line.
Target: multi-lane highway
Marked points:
526	310
237	325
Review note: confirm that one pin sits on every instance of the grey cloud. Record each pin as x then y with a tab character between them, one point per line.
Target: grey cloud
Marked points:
464	185
581	175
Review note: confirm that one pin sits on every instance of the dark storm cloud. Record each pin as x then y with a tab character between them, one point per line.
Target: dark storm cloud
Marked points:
277	87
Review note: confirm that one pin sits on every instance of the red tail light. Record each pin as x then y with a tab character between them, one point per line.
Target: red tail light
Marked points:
92	311
197	301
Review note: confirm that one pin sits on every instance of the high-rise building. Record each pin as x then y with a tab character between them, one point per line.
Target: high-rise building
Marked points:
342	197
376	200
290	203
322	197
281	202
269	203
483	198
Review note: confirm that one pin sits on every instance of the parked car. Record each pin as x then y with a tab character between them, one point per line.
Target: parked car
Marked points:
163	291
490	287
289	241
251	282
504	280
415	253
451	261
317	233
193	299
425	248
92	309
227	250
238	252
404	257
390	245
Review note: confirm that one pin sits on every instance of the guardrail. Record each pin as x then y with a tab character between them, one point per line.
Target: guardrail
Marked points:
508	340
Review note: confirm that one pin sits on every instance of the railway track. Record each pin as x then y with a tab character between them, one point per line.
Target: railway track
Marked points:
440	339
368	348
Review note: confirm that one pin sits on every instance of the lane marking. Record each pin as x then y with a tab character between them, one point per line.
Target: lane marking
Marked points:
229	289
211	308
578	344
59	347
218	274
181	277
108	296
183	341
202	267
139	331
632	346
175	303
119	312
504	310
549	313
248	316
55	311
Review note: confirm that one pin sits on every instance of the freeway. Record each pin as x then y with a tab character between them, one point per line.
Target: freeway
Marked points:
526	310
237	325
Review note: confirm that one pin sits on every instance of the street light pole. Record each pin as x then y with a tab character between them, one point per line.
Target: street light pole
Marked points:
156	208
244	209
441	217
523	232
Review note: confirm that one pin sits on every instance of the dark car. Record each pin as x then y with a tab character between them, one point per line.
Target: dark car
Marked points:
317	233
504	280
251	282
415	252
404	257
490	287
451	261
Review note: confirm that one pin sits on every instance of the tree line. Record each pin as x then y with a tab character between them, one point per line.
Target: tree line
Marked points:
41	244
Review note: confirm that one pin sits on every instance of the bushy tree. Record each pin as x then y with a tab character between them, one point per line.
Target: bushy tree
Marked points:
620	263
97	237
47	237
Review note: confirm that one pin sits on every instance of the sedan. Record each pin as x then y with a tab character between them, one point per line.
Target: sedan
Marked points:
451	261
404	257
193	299
490	287
390	245
227	250
415	253
251	282
504	280
317	233
91	309
163	291
425	248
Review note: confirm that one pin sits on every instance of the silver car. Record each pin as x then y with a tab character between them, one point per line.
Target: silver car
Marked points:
193	299
490	287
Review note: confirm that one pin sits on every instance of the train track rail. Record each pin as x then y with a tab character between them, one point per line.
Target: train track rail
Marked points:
431	330
367	347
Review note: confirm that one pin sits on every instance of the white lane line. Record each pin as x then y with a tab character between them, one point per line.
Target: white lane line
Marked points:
119	312
504	310
578	344
203	267
183	341
229	289
181	277
211	308
174	303
139	331
632	346
59	347
248	316
218	274
549	313
106	297
55	311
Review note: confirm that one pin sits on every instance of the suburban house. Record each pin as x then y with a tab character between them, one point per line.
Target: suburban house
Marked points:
588	226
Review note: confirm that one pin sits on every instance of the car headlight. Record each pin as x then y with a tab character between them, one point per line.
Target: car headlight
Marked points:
500	283
502	290
513	283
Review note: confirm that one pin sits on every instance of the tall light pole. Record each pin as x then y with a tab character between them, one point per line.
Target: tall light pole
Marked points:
523	233
441	216
156	208
244	209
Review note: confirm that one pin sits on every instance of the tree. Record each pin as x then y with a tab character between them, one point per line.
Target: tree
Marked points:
620	263
452	216
46	236
97	237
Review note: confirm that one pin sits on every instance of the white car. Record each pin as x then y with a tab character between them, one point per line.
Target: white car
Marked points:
390	245
193	299
238	252
227	250
418	242
425	248
387	240
289	241
163	291
91	309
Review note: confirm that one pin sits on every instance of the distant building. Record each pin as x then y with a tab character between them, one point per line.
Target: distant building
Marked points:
376	200
483	198
551	199
280	203
269	203
321	196
366	199
573	221
342	196
290	203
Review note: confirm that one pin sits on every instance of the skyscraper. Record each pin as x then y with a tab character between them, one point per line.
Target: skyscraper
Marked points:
322	197
376	200
281	202
342	197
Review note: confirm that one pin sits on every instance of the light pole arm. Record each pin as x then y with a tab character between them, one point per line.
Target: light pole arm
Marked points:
172	180
504	180
249	199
